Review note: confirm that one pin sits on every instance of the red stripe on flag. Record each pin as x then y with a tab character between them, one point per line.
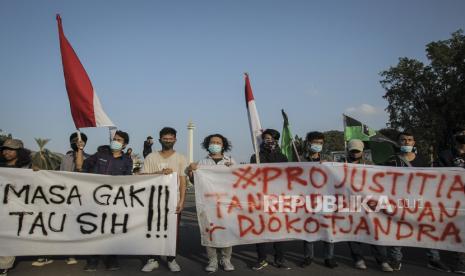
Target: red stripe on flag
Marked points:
248	90
78	85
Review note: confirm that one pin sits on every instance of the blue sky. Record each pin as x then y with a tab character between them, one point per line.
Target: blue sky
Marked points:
163	63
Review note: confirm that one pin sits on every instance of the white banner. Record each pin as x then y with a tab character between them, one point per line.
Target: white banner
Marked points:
64	213
420	207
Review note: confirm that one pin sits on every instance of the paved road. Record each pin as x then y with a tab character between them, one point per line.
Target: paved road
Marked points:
192	258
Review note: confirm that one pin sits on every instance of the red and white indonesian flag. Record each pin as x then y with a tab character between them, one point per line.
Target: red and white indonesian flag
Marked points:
254	120
85	105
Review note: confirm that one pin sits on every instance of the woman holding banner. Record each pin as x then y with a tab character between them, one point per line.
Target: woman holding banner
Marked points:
216	145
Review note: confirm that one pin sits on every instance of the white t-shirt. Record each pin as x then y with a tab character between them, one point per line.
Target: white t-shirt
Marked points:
154	162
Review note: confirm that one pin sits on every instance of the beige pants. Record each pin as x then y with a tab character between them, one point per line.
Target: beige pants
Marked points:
225	253
6	262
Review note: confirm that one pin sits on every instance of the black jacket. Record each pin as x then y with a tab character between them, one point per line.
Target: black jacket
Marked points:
451	158
147	149
105	163
269	157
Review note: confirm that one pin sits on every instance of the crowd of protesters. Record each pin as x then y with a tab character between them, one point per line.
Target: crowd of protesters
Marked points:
113	160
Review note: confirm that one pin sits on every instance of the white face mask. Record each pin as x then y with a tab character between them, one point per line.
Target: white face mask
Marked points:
406	149
116	146
316	148
214	148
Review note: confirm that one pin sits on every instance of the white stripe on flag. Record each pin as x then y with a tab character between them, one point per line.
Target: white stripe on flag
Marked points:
255	126
101	118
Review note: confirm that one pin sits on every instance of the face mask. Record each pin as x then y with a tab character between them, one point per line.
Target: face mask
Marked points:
214	148
406	149
353	157
116	146
316	147
460	139
167	145
74	147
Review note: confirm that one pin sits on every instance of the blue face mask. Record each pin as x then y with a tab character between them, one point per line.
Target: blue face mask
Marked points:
406	149
316	147
116	146
214	148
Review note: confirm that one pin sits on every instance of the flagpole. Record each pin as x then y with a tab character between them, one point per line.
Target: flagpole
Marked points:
257	156
344	131
112	131
295	150
78	134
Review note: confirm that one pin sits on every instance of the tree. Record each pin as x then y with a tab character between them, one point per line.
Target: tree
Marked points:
334	141
429	100
389	133
44	159
300	145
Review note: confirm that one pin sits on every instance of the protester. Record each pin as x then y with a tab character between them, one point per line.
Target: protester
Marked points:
166	162
74	159
71	162
109	163
129	152
14	155
455	157
407	157
216	145
147	146
315	141
270	153
355	156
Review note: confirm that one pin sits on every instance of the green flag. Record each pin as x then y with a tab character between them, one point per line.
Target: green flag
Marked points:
287	143
381	147
354	129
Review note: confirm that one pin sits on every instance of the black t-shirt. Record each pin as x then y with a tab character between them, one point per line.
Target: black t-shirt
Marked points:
147	149
397	161
451	158
419	161
269	157
310	159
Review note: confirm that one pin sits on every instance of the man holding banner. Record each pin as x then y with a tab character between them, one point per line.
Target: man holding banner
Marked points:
355	156
270	153
315	141
167	161
409	158
71	162
114	163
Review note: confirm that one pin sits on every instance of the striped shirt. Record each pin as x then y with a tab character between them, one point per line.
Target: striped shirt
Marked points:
208	161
